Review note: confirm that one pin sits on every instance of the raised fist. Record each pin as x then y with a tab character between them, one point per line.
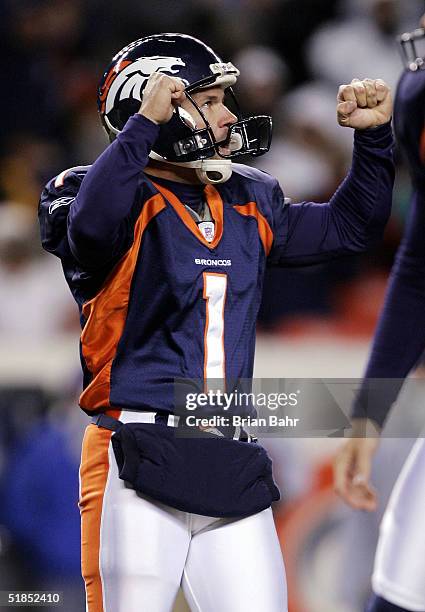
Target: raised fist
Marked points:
364	104
161	94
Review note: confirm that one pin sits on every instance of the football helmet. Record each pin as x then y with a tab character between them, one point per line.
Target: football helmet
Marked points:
413	49
180	141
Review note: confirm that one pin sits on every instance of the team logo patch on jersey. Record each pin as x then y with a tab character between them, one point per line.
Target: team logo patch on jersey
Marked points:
130	79
63	201
207	230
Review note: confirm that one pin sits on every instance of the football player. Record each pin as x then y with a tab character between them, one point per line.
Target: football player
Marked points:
164	243
399	573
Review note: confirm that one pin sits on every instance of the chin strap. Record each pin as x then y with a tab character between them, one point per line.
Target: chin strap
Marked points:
208	171
213	170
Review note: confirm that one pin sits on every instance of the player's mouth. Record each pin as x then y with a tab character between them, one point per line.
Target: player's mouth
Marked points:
232	143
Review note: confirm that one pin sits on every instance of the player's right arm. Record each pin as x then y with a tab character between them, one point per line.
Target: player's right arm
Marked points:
98	216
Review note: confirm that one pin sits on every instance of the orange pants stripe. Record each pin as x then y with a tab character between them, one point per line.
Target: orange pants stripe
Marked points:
93	476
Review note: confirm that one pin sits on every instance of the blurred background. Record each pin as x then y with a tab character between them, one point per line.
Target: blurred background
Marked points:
314	322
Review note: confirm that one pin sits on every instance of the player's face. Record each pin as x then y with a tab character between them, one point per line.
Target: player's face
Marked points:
211	103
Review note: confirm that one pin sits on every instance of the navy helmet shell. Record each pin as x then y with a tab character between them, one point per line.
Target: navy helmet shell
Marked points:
181	56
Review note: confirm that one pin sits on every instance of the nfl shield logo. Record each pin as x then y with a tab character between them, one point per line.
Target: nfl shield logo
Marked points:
207	230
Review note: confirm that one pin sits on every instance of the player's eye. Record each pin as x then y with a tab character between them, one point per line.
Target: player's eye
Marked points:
207	104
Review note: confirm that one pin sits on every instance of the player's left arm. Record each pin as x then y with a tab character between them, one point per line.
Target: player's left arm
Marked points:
357	213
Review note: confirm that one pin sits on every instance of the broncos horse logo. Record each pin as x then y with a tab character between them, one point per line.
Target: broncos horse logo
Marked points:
128	79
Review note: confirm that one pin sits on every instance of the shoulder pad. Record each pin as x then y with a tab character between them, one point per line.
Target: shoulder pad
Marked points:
67	179
57	196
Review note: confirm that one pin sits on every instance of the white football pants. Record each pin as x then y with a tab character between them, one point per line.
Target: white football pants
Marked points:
137	552
399	572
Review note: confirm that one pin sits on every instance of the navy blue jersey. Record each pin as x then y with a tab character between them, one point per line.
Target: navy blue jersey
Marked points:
157	300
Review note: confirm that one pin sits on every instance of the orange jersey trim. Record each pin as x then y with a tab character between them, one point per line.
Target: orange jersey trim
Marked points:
216	207
264	229
106	314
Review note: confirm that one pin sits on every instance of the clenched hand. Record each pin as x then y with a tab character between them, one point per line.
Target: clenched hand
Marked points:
364	104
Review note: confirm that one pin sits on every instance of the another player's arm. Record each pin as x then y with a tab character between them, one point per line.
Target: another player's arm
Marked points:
356	215
398	344
109	189
400	336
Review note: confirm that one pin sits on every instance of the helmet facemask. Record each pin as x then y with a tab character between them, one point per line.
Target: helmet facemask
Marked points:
251	135
197	147
412	47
